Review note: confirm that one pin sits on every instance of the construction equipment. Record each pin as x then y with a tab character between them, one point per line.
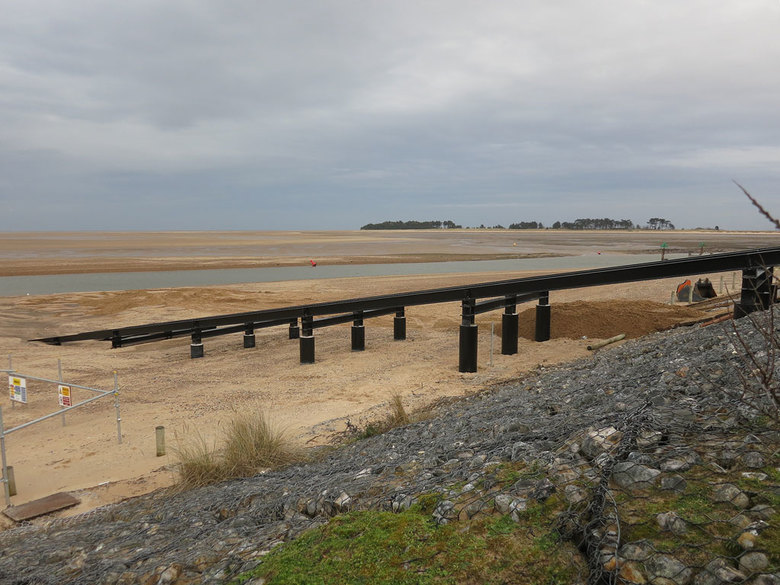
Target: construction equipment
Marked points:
693	293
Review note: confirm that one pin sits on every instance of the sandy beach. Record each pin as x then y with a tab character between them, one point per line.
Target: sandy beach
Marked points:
161	386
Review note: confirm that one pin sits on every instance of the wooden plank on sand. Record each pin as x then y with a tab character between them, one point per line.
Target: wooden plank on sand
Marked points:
46	505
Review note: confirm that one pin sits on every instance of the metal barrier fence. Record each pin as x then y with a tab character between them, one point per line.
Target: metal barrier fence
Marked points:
17	384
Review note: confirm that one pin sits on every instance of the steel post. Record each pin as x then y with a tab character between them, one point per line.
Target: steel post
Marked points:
358	338
399	325
116	405
509	333
757	291
159	436
509	327
358	333
196	346
295	332
467	357
467	350
307	324
249	336
492	335
543	318
59	377
307	349
307	340
11	481
6	486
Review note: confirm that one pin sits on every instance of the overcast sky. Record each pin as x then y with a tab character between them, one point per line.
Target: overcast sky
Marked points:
187	114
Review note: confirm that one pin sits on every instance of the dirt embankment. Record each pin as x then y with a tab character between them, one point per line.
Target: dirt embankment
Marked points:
604	319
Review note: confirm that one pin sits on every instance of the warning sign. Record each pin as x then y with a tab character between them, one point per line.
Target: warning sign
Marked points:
17	388
65	397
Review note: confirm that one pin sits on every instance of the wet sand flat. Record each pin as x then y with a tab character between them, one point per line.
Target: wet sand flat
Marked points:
31	253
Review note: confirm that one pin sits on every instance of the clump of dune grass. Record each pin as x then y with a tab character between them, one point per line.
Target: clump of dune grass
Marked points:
395	417
198	463
398	416
252	443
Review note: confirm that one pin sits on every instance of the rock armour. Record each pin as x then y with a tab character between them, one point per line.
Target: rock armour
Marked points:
629	418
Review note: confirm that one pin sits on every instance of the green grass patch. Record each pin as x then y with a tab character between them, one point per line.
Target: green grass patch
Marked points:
378	548
710	530
770	542
769	539
508	473
426	503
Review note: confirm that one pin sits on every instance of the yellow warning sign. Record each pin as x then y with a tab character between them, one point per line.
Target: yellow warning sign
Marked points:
17	388
65	397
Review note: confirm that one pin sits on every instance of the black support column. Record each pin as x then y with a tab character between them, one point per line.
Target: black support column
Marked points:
543	318
295	332
249	335
399	325
509	326
358	332
307	339
467	356
196	346
758	291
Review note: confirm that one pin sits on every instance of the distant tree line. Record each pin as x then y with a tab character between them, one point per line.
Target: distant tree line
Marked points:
588	223
526	225
411	225
601	223
604	223
658	223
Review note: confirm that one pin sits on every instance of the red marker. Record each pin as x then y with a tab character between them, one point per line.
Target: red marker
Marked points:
313	263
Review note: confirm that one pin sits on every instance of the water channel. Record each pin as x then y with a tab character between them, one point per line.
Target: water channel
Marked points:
107	281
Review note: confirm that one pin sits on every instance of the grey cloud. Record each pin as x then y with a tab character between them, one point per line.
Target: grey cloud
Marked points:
336	113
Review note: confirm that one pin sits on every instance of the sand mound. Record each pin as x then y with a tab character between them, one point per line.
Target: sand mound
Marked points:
603	319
